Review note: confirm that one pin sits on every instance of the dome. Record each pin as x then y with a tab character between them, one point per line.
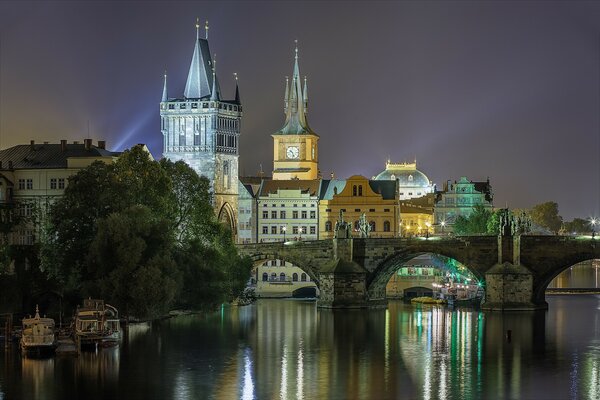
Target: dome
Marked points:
407	175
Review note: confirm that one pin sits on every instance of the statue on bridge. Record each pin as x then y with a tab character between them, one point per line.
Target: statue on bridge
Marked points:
363	226
514	224
343	229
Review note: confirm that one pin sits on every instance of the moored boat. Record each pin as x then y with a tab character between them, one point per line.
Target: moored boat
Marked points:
38	335
97	323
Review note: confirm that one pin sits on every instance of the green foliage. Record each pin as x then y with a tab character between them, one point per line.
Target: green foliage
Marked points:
142	235
546	216
578	225
475	224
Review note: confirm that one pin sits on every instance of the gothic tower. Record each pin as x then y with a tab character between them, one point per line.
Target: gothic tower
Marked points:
203	130
295	154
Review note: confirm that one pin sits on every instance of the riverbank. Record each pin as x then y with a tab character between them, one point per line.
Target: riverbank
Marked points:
555	291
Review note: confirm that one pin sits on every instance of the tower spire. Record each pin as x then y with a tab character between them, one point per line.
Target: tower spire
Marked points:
206	30
165	95
287	94
199	80
197	28
305	95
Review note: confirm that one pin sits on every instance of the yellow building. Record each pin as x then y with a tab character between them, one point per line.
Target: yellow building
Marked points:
416	216
378	200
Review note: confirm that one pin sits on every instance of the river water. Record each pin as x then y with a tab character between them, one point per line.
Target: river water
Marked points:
289	349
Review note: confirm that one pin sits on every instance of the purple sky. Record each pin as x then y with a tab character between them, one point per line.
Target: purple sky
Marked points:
508	90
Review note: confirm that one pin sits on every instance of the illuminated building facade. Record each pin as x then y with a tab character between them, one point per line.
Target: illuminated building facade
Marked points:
357	195
203	129
458	199
412	183
34	176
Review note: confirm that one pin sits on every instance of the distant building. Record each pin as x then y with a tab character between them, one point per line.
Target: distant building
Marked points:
33	176
416	216
203	129
411	182
357	195
458	199
247	223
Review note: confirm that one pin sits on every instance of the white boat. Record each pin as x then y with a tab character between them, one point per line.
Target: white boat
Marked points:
97	323
38	335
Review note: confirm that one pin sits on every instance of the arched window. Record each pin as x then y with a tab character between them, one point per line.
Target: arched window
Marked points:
303	277
327	226
265	277
273	276
282	277
356	225
372	225
386	226
354	190
360	190
295	277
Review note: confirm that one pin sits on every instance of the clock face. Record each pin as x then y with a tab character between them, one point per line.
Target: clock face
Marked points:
292	152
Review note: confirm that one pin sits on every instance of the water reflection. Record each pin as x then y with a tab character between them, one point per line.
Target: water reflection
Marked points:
582	275
292	350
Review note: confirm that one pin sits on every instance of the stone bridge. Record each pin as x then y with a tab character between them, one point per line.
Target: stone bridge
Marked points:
354	272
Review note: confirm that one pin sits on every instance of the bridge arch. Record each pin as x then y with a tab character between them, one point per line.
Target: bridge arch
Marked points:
378	279
259	259
560	265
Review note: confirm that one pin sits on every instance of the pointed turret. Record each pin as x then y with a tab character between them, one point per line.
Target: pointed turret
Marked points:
200	79
305	95
214	94
286	96
237	90
295	104
165	96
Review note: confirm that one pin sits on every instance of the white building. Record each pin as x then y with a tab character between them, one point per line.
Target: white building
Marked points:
412	183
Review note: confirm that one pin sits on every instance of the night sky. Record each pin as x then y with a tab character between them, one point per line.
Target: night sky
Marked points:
509	90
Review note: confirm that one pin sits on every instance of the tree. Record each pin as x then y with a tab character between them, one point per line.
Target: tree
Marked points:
475	224
578	225
546	216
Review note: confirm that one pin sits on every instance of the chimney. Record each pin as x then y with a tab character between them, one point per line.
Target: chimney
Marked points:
32	145
88	144
102	144
63	145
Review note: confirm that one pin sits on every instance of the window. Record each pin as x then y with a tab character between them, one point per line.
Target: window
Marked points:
303	205
303	231
282	277
295	214
303	214
265	229
265	215
265	205
273	276
386	226
313	214
303	277
360	190
357	210
196	139
410	193
265	277
401	193
313	230
328	210
273	230
373	226
226	175
356	225
21	184
274	214
327	226
410	178
61	183
371	210
295	277
53	183
354	191
282	214
30	184
386	210
295	205
295	230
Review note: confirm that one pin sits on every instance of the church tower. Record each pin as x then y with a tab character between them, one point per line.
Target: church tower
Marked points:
295	154
203	130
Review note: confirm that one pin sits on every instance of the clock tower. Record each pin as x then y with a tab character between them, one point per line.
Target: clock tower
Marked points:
295	154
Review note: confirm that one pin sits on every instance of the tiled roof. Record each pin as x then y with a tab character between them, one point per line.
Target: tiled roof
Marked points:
387	189
26	156
328	188
305	186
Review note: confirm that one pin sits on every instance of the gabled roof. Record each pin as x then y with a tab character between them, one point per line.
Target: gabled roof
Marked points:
305	186
387	189
330	187
199	82
26	156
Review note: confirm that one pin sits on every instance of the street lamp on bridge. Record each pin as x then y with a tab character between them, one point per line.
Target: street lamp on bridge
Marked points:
593	222
284	229
427	224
